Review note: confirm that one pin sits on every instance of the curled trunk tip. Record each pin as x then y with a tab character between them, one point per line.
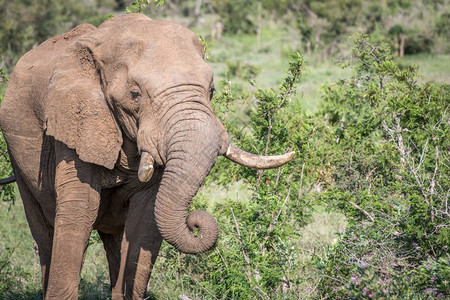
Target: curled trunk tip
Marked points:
198	235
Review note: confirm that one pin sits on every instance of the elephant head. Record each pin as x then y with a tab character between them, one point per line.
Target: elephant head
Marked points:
146	81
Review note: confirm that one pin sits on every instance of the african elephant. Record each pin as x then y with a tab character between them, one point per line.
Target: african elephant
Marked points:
111	129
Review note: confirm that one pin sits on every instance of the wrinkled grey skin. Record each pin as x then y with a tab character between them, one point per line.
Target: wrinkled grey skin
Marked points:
88	116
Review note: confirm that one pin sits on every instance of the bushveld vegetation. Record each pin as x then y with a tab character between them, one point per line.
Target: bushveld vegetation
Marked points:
362	210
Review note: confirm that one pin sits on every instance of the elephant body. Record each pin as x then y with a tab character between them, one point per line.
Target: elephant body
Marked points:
111	129
33	154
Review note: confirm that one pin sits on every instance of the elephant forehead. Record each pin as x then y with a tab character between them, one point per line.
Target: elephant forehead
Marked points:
159	79
176	65
161	34
155	35
175	59
174	46
169	31
137	24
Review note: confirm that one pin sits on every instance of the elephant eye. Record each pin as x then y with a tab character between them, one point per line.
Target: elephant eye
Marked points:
135	94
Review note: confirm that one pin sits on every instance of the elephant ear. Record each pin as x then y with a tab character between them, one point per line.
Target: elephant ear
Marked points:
78	114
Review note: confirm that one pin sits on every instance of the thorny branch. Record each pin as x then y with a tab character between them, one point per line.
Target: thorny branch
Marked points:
236	225
257	275
244	251
407	161
370	216
405	157
274	221
300	188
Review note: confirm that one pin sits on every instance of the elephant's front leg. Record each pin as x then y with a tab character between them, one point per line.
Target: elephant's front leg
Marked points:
76	210
140	247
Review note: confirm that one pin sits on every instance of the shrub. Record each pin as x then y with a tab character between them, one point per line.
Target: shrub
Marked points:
377	152
239	16
390	178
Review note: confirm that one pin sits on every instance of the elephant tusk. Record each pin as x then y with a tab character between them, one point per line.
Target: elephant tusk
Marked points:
257	161
146	169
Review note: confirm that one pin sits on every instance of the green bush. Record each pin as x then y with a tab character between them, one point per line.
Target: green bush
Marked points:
245	71
238	16
419	43
390	178
377	152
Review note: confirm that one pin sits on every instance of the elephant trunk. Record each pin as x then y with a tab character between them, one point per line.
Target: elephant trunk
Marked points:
191	153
